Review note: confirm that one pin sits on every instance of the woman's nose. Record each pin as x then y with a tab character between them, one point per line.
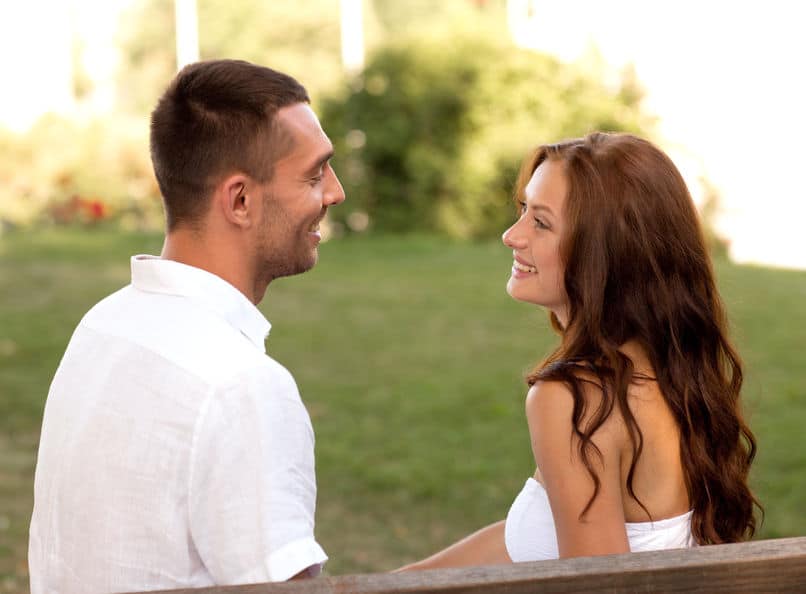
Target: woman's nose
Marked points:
512	238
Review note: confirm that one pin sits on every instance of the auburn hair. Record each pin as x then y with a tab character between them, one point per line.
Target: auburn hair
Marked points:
637	269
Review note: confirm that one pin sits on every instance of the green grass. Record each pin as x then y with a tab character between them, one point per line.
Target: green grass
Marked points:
410	356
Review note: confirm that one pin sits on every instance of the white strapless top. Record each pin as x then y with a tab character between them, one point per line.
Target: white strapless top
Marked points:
530	534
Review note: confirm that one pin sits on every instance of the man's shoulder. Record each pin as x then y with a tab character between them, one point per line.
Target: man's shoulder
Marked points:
180	331
261	375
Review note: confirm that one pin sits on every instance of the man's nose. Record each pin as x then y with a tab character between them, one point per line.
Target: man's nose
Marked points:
334	192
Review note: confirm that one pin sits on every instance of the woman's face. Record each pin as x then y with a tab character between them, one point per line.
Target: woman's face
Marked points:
537	271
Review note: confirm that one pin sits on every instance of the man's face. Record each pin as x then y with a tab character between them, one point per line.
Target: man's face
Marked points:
295	201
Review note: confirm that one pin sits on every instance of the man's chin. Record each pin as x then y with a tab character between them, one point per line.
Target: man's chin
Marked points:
313	260
308	263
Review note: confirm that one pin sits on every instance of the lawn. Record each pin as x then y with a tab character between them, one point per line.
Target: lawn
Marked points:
410	357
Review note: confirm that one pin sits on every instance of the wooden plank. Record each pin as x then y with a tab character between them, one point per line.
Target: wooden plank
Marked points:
762	566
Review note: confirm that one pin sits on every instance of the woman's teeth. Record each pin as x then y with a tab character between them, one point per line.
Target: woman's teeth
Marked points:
523	267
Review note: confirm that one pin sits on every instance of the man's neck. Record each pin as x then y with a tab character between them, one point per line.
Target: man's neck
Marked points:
215	254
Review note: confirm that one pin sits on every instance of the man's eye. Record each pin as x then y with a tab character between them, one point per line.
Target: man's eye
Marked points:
315	180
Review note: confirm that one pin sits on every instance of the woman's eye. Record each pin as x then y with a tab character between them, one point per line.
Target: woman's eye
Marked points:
521	206
540	224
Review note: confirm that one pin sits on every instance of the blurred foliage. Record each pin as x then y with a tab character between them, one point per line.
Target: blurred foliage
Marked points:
78	172
148	56
433	133
305	42
429	137
710	210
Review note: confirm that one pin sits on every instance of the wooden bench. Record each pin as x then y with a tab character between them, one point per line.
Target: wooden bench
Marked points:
759	567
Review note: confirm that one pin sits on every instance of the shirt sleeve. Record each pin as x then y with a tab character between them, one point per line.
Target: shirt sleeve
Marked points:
252	492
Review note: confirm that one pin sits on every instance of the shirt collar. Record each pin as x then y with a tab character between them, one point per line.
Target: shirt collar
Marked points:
156	275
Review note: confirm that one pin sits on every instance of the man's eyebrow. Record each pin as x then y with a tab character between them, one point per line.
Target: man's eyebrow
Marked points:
313	169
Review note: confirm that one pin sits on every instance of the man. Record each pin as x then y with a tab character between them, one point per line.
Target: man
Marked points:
174	453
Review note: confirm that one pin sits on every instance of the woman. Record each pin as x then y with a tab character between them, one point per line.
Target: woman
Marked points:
635	420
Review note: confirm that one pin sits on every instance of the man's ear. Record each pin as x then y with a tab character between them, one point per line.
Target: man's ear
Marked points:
235	198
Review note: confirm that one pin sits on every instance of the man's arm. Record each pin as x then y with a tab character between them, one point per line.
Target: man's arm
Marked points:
253	486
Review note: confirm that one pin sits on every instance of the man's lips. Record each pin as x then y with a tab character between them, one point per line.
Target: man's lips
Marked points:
314	227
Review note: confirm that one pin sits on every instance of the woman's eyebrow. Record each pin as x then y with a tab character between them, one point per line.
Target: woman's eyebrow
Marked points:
541	207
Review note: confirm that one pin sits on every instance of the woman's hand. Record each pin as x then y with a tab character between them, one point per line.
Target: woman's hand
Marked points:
484	547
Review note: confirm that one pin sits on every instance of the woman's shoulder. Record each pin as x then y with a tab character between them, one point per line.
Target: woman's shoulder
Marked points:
571	399
561	383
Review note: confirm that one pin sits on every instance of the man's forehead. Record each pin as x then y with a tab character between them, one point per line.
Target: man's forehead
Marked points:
299	119
299	124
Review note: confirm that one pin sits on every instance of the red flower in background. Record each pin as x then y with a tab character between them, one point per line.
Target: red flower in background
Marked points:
95	209
80	210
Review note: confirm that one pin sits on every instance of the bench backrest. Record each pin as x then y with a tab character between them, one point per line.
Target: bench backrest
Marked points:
761	566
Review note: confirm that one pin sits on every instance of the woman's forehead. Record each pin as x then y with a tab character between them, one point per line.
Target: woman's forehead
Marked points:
548	185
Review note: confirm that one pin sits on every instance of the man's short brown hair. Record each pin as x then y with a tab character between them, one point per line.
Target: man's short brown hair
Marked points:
217	117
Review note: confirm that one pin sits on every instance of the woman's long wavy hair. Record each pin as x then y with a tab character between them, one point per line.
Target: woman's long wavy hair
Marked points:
637	269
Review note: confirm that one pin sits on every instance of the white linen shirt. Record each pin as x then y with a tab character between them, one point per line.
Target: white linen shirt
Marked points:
174	453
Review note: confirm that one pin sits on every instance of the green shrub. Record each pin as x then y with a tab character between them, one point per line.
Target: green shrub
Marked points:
69	171
431	136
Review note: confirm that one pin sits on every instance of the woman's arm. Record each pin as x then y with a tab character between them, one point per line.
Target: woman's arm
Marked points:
484	547
549	408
